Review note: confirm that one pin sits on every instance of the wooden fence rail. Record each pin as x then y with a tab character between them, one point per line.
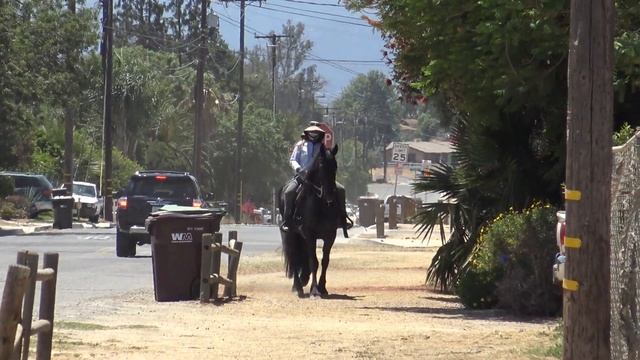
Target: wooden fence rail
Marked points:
212	248
16	313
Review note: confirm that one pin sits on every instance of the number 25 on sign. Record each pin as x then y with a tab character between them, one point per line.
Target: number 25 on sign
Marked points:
399	153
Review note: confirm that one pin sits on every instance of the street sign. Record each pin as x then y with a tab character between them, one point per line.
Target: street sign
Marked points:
399	152
328	135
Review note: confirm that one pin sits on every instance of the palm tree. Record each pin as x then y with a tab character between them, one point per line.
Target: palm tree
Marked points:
500	164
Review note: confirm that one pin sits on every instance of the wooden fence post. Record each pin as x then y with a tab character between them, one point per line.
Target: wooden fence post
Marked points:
14	289
205	268
215	263
29	260
393	214
232	274
380	221
47	306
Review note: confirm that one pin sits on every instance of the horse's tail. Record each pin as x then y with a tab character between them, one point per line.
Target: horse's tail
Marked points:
295	258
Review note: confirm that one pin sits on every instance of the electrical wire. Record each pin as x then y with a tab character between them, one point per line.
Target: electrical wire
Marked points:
350	61
314	3
311	16
317	12
236	23
228	19
334	65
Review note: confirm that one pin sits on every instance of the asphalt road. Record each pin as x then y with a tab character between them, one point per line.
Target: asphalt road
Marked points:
88	266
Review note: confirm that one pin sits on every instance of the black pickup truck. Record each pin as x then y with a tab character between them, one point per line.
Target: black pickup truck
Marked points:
147	192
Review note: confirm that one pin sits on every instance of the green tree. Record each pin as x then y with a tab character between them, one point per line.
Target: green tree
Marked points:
265	155
33	81
350	174
369	103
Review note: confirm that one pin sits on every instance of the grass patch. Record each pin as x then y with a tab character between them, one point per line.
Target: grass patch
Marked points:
551	344
45	216
134	326
72	325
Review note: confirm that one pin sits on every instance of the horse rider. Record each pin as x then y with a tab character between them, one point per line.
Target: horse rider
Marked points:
301	159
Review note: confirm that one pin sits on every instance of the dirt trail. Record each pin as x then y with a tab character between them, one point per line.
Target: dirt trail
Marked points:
379	309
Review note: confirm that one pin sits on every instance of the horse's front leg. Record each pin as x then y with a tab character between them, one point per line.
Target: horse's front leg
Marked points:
326	251
297	285
313	266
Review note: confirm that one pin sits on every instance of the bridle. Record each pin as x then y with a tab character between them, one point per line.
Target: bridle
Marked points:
318	190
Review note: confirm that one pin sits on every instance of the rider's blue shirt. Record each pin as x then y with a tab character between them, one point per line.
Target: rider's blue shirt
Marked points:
303	154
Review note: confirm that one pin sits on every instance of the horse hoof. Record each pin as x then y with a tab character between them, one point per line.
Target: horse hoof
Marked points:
315	293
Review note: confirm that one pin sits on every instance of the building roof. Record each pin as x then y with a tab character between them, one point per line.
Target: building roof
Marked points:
433	146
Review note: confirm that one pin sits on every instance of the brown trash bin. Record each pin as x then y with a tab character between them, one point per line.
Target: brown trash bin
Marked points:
176	247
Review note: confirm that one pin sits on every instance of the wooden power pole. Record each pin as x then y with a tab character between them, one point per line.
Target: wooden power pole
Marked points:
237	186
107	110
274	38
67	173
198	128
588	181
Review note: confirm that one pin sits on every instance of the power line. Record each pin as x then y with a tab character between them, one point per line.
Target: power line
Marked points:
314	3
236	23
332	64
317	12
311	16
351	61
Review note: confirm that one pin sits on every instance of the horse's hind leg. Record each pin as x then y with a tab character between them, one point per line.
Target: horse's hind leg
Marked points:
326	251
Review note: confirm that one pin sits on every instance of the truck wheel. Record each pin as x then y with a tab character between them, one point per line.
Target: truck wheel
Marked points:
94	219
125	246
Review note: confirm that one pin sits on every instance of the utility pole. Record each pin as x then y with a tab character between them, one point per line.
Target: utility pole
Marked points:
588	181
239	140
199	92
107	110
67	172
239	149
274	38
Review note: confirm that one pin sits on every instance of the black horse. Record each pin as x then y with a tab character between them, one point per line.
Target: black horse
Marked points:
318	206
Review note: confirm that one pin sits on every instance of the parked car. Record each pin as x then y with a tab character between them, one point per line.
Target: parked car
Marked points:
147	192
558	265
35	189
88	205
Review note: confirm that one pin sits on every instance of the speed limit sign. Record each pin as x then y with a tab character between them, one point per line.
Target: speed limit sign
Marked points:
399	153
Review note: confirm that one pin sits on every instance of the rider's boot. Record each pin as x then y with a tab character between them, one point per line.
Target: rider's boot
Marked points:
287	221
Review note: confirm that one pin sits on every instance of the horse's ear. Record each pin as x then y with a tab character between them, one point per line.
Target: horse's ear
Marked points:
334	150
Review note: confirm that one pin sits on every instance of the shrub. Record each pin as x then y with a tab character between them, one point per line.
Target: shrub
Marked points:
511	264
8	211
477	289
6	186
623	135
17	206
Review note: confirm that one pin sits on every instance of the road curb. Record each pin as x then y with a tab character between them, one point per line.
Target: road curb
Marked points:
25	230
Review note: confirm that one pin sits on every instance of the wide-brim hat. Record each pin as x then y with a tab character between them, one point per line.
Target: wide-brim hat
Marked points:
313	128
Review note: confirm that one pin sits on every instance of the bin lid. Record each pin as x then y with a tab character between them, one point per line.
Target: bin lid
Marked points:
174	211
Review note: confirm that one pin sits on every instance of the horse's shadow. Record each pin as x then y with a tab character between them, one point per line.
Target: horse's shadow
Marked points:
342	297
335	297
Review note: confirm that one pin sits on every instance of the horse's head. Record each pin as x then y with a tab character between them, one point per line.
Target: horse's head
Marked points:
323	174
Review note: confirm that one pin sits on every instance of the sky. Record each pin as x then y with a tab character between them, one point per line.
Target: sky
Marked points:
333	40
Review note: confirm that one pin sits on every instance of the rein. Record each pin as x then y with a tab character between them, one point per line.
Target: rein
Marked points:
318	190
